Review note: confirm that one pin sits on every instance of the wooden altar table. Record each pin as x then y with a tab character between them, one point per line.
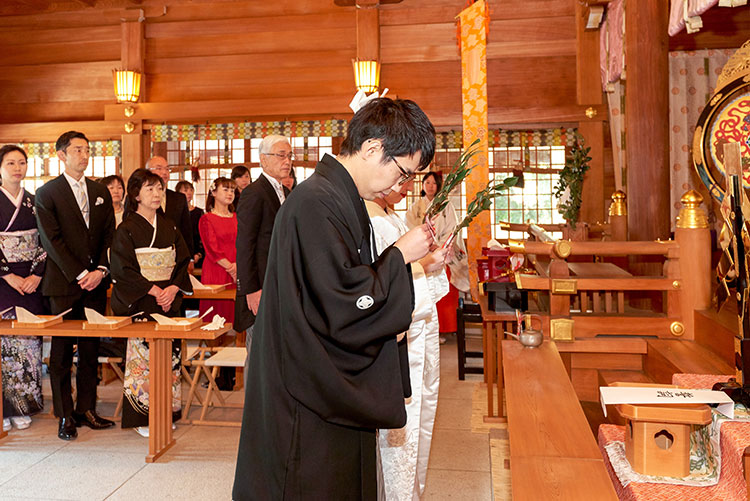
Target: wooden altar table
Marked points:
160	367
553	453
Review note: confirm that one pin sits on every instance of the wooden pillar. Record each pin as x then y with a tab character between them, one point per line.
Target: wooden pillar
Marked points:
589	92
647	119
694	237
132	47
618	217
592	198
368	30
473	44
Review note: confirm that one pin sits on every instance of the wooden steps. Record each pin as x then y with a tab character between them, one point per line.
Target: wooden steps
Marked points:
717	330
606	377
669	356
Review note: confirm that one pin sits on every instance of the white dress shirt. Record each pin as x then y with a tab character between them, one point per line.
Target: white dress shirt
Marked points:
277	186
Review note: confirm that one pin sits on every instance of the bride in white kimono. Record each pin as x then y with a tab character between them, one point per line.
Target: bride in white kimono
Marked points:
404	452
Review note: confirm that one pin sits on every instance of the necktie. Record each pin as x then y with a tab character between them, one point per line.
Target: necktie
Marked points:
83	202
164	202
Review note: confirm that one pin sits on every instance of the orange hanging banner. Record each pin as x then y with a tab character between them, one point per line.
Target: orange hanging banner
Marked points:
473	24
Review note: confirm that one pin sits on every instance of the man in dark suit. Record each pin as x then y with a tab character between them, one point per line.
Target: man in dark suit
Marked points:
175	205
76	225
256	213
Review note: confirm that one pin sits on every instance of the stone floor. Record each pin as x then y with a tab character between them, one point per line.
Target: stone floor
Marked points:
109	464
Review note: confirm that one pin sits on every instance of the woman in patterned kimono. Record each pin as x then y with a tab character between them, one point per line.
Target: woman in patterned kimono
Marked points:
404	452
21	267
150	273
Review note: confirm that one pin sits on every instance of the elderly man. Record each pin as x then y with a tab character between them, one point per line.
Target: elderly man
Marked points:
174	205
256	213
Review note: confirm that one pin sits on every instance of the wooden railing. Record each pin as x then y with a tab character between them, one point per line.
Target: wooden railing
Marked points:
585	283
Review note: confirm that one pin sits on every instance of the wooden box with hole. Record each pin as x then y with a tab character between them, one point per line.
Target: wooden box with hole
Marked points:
657	437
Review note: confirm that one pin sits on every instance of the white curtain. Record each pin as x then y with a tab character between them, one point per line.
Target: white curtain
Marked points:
692	79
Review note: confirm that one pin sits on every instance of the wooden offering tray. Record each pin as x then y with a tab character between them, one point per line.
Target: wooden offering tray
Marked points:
215	288
657	436
49	321
120	322
192	324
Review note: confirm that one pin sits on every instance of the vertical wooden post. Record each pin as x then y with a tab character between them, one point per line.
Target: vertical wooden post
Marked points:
694	238
647	119
368	30
592	206
132	47
474	111
618	217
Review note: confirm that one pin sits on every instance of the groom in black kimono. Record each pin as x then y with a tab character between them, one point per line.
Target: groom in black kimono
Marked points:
325	368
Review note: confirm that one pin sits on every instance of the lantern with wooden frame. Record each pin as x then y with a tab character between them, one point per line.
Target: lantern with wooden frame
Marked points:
127	85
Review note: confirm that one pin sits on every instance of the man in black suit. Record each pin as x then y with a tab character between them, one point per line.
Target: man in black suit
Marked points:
256	213
175	205
76	225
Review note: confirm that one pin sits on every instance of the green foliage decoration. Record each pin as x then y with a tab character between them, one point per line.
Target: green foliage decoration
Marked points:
571	179
453	179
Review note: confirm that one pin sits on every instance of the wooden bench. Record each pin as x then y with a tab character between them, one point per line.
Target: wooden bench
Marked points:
552	448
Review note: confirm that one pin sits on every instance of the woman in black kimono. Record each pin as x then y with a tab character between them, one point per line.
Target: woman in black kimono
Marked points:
21	268
149	270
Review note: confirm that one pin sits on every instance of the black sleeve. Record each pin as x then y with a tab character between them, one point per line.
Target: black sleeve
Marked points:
129	285
184	226
50	235
249	219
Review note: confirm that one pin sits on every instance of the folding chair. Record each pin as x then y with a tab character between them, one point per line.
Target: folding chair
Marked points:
218	357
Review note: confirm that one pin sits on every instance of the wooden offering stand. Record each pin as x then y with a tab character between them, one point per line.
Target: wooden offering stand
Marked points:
193	323
49	321
657	436
119	322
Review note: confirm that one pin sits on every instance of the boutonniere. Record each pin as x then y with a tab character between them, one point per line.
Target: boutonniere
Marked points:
99	201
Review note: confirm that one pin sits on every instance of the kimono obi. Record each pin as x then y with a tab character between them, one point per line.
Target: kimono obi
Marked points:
19	246
156	264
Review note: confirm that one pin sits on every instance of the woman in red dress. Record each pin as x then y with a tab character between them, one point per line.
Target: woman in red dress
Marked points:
218	229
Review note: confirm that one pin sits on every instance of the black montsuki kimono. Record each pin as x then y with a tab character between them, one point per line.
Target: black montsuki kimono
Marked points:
325	370
130	291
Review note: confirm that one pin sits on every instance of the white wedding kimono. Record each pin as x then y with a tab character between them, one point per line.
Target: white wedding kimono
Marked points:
445	223
404	452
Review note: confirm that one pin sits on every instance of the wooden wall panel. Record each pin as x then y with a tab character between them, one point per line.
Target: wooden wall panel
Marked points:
269	42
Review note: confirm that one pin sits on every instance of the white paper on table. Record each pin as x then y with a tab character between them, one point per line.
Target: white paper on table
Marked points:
162	320
197	284
25	316
611	395
216	323
94	317
6	310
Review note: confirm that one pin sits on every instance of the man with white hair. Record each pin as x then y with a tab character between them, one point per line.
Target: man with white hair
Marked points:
256	213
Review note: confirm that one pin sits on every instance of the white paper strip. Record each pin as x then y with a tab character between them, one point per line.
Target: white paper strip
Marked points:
25	316
197	284
94	317
611	395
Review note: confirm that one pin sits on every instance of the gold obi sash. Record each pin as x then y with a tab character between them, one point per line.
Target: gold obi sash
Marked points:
156	264
19	246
